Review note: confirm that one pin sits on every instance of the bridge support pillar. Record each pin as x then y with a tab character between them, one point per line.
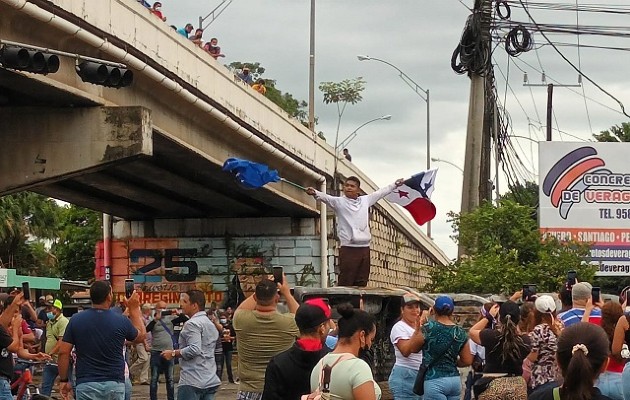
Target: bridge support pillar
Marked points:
45	145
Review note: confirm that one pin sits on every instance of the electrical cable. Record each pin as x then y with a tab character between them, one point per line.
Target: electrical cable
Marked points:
623	109
569	88
472	53
579	54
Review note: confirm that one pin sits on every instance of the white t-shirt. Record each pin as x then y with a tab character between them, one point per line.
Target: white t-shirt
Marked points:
345	376
401	330
477	349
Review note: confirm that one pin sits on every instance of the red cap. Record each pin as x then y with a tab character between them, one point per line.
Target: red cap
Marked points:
319	302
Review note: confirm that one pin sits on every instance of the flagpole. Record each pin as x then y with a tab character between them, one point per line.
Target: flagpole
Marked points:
293	184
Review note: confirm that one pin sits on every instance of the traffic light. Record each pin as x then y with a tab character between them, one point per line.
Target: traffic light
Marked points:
104	75
23	59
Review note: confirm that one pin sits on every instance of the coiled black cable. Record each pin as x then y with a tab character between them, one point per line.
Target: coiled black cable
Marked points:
472	53
506	6
518	40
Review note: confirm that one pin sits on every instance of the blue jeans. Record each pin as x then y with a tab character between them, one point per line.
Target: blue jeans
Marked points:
625	381
401	383
5	389
448	388
186	392
128	388
609	383
48	378
109	390
160	365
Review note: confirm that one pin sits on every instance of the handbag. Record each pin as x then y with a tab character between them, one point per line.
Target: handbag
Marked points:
481	385
418	385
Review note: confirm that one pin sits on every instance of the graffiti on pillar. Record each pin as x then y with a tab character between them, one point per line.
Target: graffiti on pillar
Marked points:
164	268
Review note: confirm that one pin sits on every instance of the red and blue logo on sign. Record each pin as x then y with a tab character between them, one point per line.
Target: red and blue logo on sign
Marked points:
565	183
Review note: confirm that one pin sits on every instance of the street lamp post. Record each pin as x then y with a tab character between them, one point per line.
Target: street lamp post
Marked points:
347	140
214	14
424	95
351	136
447	162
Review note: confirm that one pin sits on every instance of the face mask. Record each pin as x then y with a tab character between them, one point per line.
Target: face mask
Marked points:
50	315
223	321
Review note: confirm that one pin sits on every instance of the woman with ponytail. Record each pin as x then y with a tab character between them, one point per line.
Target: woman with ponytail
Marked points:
506	348
582	355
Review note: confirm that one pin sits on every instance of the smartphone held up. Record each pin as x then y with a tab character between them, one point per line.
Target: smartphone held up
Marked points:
278	274
26	290
129	287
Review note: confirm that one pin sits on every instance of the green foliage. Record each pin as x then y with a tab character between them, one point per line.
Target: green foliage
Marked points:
27	220
341	94
615	134
254	68
526	195
78	231
295	108
347	91
505	250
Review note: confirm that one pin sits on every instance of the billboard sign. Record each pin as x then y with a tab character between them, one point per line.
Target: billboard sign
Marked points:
585	196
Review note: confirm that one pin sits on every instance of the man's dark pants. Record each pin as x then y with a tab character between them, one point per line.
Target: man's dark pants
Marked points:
159	365
354	266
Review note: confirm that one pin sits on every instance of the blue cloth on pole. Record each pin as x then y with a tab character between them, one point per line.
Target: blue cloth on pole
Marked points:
249	174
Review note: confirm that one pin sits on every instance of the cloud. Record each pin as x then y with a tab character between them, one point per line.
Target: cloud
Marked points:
418	36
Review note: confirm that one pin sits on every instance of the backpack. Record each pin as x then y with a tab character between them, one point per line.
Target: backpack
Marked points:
323	390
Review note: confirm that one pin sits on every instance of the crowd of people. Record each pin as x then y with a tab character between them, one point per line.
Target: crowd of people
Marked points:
532	351
211	47
527	351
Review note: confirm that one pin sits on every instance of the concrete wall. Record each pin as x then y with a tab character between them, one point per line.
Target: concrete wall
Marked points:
167	257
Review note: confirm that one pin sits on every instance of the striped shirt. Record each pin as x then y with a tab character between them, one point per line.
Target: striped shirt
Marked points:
574	315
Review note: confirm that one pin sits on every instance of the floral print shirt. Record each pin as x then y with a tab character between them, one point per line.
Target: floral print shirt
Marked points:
545	368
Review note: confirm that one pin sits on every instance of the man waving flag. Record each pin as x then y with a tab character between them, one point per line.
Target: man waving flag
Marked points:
415	196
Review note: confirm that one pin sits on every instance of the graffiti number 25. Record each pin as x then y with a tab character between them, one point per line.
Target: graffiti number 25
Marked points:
173	267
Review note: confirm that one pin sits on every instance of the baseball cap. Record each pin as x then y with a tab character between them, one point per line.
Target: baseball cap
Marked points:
321	303
444	304
581	291
57	304
410	298
545	304
309	316
42	297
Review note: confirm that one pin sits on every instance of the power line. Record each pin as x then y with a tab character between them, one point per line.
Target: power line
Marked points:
623	109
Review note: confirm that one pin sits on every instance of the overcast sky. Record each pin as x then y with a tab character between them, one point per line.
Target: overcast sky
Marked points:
419	36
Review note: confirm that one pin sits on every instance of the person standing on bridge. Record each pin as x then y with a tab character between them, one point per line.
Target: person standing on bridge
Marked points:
353	228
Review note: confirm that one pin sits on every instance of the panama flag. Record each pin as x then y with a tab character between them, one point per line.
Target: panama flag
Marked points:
415	196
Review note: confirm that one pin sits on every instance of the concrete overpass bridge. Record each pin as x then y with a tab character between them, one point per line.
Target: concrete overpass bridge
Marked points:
151	155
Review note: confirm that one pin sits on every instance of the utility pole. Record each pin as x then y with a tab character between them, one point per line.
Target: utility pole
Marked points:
311	73
476	121
550	87
549	110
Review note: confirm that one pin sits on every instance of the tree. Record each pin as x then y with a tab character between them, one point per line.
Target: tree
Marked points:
78	231
506	251
341	94
615	134
295	108
523	194
27	221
